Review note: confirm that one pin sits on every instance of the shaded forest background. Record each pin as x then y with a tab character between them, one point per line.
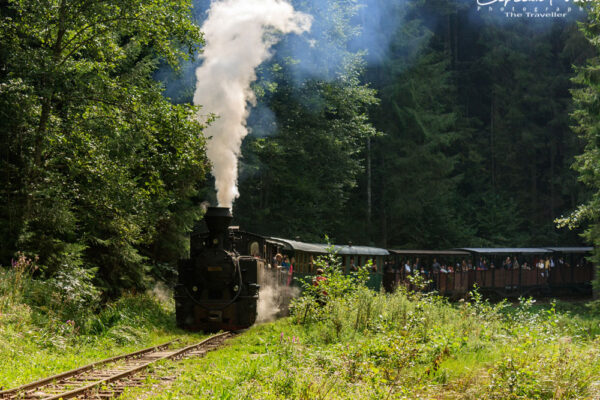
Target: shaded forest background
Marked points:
472	143
422	124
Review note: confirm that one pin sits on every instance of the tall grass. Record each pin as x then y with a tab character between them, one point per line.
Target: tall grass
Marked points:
355	343
50	325
420	342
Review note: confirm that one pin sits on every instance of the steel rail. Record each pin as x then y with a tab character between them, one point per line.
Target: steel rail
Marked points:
97	381
121	375
85	368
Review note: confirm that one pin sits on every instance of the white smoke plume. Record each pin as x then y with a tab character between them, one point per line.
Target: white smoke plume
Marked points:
238	39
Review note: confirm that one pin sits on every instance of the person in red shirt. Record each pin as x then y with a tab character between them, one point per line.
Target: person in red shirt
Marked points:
320	280
290	271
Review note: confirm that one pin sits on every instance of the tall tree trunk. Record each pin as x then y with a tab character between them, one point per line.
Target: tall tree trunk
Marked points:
492	145
369	201
552	166
384	236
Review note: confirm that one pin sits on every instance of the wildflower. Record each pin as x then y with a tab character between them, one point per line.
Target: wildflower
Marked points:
70	322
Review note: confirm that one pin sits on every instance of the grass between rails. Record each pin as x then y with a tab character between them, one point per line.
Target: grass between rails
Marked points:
46	329
402	346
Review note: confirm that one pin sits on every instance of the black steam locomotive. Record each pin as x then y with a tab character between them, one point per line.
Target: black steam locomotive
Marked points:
217	287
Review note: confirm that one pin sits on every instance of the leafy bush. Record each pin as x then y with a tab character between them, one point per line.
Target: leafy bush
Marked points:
69	295
312	305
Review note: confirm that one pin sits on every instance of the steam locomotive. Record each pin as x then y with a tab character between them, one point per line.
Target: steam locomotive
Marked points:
217	287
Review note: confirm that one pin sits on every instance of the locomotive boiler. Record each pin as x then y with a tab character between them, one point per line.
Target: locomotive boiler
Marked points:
217	287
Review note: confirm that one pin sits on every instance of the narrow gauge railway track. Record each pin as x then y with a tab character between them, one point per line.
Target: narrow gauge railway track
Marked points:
107	378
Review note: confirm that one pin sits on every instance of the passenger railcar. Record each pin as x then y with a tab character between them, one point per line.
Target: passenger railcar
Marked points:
304	255
570	273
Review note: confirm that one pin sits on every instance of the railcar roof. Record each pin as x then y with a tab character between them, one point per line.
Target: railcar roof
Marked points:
361	250
319	248
431	252
571	249
301	246
507	250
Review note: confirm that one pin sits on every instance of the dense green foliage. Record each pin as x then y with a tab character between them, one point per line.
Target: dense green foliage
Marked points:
474	143
365	345
97	167
587	118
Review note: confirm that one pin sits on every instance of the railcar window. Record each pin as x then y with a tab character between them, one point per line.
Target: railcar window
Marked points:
254	249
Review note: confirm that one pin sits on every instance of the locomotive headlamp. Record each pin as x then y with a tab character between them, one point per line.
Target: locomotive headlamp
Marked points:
195	289
236	288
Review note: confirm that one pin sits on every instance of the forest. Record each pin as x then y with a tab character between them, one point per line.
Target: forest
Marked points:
396	123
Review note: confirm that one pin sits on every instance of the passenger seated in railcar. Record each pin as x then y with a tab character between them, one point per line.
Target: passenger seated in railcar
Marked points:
285	264
516	264
541	265
388	267
482	265
373	265
353	267
435	267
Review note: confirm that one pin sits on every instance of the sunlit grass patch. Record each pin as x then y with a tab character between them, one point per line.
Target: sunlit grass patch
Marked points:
40	338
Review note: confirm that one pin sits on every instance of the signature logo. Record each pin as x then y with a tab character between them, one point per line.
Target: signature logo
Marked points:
505	3
532	8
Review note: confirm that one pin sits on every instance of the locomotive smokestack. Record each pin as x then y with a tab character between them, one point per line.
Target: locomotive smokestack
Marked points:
217	221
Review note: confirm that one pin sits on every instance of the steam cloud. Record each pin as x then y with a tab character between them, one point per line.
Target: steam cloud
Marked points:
237	41
273	298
